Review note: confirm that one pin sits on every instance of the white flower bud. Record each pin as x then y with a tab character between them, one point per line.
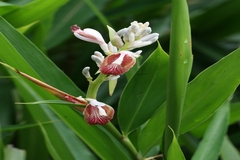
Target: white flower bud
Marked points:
86	73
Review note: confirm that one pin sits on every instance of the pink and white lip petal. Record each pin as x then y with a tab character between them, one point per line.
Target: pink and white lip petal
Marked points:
117	64
98	113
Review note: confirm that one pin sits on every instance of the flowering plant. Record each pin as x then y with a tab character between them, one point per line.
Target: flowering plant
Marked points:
157	106
110	68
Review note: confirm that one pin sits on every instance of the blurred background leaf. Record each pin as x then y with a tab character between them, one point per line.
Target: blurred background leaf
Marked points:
212	141
6	7
229	151
74	12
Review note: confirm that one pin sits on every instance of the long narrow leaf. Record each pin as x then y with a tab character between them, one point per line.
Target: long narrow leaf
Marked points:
210	146
1	143
229	151
23	126
174	151
49	102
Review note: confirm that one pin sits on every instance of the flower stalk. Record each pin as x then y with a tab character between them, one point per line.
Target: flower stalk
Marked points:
94	86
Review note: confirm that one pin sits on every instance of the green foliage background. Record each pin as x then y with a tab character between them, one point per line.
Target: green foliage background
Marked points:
215	33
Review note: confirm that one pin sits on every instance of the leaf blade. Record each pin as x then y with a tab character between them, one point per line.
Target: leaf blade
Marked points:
142	88
222	76
210	146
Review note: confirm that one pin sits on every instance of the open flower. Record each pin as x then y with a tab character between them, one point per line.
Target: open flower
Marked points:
118	63
98	112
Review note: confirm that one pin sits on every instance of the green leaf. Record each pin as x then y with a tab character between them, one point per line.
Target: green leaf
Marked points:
234	117
6	8
27	27
174	151
210	146
139	101
38	33
17	51
6	92
40	10
49	102
51	148
152	133
1	143
235	112
23	126
203	98
29	136
229	151
11	153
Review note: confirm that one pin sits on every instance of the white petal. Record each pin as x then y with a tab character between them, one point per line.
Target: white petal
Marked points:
97	59
145	32
99	54
119	60
138	52
131	37
95	34
104	47
101	111
138	44
134	28
95	103
112	77
146	24
149	37
83	38
122	32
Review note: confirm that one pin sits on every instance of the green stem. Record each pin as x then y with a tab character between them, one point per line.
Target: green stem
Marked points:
92	93
180	63
123	139
94	85
126	141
